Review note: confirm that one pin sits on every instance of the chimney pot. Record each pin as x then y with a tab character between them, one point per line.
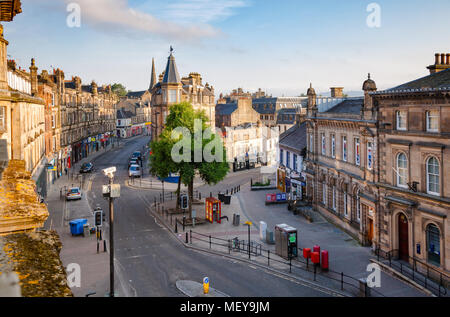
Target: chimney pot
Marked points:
448	59
443	59
436	59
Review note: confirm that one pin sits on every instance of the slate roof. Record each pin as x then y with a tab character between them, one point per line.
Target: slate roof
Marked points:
436	81
226	109
69	84
171	76
295	137
269	103
350	106
289	112
123	114
136	94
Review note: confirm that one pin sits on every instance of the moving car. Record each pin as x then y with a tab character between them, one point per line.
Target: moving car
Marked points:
73	193
134	171
86	168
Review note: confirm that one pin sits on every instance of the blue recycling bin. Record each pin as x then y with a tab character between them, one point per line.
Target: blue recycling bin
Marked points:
76	226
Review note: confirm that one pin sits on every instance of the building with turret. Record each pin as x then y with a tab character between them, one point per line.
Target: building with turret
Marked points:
172	89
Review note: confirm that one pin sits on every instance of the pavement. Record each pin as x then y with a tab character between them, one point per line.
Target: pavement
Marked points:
346	254
78	249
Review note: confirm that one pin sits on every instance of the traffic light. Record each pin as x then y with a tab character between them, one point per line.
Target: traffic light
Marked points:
184	201
99	218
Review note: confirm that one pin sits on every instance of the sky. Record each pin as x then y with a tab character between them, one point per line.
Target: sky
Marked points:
280	46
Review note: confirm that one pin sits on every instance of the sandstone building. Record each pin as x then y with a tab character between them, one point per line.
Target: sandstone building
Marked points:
414	184
172	89
341	166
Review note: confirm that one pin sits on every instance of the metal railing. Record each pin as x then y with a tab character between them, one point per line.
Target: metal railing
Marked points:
339	279
420	272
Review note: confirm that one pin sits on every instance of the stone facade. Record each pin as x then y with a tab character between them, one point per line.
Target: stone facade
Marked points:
88	116
415	179
340	167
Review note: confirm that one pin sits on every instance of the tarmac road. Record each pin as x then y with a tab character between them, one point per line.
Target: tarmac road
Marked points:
149	260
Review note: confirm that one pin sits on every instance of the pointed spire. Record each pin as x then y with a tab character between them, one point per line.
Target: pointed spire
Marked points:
153	77
171	76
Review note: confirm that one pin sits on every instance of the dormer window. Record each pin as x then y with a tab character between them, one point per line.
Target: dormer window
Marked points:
432	121
401	120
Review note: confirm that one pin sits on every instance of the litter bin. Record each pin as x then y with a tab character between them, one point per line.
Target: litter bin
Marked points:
236	220
227	199
222	197
76	226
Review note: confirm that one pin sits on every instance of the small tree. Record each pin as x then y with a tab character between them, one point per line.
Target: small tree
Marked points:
182	146
119	90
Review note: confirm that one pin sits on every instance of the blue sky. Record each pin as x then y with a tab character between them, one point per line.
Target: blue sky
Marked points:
280	46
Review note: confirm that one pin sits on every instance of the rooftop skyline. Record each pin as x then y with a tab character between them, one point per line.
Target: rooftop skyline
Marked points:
279	47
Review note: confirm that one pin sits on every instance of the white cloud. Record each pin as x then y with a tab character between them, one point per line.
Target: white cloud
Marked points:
204	11
118	16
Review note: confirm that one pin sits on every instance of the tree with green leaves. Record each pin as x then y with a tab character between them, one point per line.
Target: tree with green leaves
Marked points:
187	146
119	90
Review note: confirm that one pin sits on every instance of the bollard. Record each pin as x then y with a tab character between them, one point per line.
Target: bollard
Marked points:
187	237
190	233
184	223
176	226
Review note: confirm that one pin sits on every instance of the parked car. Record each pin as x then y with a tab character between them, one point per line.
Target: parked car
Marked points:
86	168
137	154
74	193
134	171
133	162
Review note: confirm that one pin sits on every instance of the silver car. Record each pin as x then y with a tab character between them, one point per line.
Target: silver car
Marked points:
134	171
74	193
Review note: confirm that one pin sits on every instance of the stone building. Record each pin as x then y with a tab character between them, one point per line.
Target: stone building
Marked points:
250	144
172	89
268	107
22	116
340	168
236	113
88	116
48	92
414	144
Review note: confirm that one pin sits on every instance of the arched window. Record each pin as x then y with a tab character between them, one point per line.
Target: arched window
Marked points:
433	245
402	170
433	176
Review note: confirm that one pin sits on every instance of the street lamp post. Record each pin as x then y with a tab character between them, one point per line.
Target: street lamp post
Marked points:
111	192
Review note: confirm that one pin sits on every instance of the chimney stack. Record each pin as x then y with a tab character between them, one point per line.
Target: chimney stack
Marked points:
441	62
33	78
337	92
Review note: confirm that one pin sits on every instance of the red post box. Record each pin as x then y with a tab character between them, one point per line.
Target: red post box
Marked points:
307	253
315	257
316	249
325	263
